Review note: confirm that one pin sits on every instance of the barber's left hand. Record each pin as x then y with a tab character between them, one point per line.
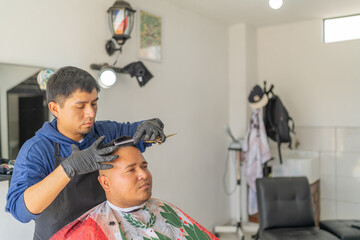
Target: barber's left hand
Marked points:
149	130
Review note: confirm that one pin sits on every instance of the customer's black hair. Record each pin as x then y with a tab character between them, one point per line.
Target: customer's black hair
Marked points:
121	142
66	81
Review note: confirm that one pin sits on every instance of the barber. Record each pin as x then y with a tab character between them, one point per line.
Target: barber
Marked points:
55	174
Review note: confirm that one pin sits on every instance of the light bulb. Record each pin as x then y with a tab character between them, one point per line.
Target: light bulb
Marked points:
107	77
275	4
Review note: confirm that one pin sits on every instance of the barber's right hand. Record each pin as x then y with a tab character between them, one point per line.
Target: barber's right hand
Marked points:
88	160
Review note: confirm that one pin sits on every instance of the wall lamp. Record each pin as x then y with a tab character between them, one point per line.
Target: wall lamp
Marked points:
107	73
121	22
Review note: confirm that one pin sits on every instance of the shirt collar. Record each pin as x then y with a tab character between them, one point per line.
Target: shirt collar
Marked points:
125	210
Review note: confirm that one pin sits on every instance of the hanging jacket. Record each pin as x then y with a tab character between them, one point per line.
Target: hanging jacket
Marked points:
36	158
257	152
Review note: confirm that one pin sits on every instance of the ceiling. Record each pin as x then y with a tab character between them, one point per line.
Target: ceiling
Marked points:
257	13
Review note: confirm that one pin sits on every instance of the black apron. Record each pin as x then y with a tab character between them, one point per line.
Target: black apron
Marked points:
81	194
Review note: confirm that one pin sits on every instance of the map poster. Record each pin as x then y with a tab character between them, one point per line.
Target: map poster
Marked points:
150	36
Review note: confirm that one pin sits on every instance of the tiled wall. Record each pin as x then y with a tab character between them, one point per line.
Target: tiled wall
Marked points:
339	149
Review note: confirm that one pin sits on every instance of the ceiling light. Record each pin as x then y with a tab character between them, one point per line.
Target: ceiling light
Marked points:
275	4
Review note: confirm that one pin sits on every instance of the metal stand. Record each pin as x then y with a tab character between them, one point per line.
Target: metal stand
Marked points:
236	148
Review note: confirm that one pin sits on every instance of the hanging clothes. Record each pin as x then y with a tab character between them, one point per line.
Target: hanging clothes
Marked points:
257	152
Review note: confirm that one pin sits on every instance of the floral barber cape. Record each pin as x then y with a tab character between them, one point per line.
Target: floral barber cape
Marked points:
156	220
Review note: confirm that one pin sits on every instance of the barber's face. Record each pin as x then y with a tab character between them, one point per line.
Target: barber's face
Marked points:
129	182
76	115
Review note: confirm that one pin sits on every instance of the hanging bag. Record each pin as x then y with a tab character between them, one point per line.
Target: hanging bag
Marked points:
277	120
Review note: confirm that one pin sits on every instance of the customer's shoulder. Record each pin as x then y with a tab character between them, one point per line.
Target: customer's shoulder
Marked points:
161	203
87	226
100	208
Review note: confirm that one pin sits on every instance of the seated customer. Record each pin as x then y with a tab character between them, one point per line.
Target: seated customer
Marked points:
129	212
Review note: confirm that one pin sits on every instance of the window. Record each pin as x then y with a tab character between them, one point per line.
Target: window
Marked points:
342	29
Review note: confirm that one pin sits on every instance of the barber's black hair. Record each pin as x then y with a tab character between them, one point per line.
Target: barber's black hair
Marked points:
66	81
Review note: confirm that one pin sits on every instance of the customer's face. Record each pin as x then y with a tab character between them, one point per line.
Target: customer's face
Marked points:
129	182
76	114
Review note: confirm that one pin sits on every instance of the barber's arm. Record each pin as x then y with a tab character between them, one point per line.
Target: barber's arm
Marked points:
39	196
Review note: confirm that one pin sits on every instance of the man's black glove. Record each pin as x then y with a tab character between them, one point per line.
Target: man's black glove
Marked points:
149	130
88	160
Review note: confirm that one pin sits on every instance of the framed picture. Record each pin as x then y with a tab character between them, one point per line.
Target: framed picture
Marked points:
150	36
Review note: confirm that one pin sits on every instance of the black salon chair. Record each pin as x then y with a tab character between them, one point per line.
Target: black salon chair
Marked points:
286	211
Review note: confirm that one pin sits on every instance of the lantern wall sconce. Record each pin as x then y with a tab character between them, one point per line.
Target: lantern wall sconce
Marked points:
121	23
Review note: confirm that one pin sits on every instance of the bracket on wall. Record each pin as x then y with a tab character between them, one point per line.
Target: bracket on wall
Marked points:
135	69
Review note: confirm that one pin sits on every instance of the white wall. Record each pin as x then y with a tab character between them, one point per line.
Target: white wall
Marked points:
189	90
242	77
319	84
339	168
